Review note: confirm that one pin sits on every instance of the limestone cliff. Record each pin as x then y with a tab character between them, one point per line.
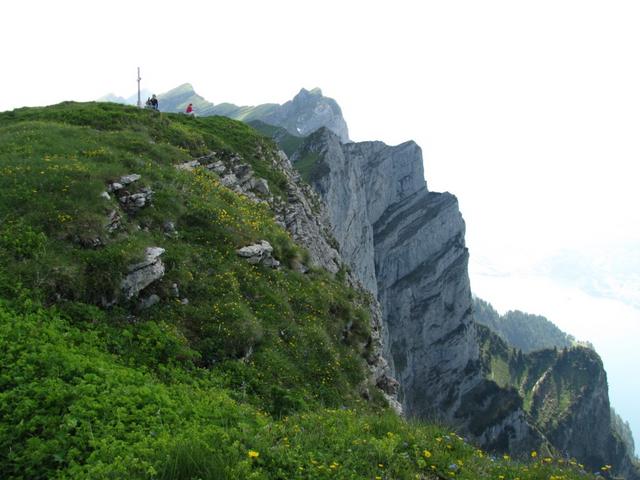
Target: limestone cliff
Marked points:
406	244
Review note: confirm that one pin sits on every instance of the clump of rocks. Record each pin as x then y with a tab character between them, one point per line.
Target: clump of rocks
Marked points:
131	201
259	253
234	174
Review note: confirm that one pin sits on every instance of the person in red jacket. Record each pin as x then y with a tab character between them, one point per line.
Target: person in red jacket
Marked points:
189	110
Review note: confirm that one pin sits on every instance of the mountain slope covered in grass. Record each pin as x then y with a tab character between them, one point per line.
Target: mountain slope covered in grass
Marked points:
211	367
521	330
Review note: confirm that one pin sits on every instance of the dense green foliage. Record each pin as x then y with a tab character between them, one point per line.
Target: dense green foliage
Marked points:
521	330
252	377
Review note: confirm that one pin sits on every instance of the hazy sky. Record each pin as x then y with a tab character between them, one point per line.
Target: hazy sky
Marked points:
528	111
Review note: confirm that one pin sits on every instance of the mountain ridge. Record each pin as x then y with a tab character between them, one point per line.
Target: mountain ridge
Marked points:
305	113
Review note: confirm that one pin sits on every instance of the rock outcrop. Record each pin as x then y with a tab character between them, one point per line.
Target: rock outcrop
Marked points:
259	253
143	274
571	404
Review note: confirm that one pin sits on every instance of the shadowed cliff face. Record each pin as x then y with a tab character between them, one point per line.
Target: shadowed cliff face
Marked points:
571	405
406	245
566	396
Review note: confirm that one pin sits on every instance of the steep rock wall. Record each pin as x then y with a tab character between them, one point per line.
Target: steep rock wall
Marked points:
406	245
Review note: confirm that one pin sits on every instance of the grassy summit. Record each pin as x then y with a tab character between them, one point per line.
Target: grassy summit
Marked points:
245	373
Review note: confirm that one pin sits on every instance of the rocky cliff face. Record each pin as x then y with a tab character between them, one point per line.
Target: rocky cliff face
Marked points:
567	398
570	403
406	244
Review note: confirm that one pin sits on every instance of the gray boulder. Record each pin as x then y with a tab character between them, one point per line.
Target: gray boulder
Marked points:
143	274
127	179
259	253
134	202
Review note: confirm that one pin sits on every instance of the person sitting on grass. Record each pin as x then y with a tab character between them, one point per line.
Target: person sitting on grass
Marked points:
189	111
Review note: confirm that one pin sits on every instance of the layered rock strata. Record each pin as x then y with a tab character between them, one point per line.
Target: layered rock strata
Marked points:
406	245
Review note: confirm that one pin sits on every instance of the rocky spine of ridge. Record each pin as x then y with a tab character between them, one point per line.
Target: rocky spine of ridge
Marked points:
304	216
406	245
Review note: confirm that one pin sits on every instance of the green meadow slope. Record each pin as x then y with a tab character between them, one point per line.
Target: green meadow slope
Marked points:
236	371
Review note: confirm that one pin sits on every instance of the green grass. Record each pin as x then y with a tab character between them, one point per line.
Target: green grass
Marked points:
252	378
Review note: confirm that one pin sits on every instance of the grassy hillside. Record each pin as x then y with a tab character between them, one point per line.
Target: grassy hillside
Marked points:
244	113
244	374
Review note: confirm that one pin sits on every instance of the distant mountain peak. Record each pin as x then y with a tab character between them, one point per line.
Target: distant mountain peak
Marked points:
185	87
307	112
315	92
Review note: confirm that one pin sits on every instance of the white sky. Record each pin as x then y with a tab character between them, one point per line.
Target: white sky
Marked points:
528	111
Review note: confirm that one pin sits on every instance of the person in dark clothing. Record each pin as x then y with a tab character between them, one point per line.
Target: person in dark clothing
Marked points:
154	102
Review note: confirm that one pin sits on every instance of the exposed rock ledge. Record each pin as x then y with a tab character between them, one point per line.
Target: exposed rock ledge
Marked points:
143	274
304	216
